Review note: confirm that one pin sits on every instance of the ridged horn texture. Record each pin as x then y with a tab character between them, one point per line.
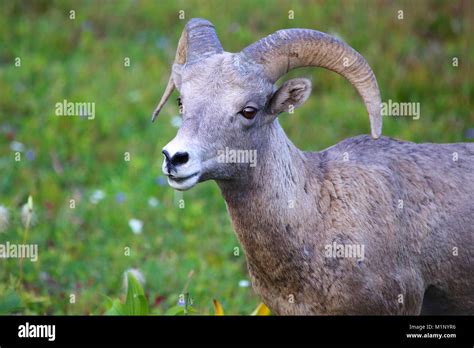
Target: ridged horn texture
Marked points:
198	41
288	49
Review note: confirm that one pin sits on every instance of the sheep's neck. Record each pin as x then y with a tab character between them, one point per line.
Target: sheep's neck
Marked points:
265	208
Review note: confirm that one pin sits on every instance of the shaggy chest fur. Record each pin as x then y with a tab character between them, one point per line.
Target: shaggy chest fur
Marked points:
290	257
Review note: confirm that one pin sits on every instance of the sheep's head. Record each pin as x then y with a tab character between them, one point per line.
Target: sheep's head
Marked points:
228	100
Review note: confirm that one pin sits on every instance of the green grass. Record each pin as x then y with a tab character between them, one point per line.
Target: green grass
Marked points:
81	250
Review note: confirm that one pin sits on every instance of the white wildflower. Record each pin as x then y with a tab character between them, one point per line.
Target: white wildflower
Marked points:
153	202
28	216
16	146
244	283
136	225
97	196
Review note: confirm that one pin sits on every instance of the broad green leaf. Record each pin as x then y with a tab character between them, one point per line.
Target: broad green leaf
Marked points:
175	310
135	303
191	310
117	308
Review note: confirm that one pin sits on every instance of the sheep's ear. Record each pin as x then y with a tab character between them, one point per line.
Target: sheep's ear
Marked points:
176	71
292	94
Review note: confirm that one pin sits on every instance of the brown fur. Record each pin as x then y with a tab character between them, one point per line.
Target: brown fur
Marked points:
407	250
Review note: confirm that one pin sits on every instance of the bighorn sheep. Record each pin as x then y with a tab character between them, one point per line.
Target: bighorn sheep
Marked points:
408	207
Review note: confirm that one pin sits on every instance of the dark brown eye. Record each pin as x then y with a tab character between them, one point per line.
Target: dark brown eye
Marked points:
180	105
249	112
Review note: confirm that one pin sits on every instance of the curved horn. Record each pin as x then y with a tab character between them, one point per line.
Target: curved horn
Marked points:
292	48
198	41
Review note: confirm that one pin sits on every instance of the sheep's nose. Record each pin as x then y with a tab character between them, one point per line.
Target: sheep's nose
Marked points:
177	159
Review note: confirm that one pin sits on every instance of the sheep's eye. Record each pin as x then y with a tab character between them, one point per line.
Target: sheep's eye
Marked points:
249	112
180	105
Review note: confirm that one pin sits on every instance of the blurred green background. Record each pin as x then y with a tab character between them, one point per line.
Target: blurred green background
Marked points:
81	249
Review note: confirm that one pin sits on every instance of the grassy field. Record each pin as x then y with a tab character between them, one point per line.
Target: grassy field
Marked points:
94	181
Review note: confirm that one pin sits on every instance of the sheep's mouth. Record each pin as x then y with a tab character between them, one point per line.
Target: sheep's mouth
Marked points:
181	179
183	183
